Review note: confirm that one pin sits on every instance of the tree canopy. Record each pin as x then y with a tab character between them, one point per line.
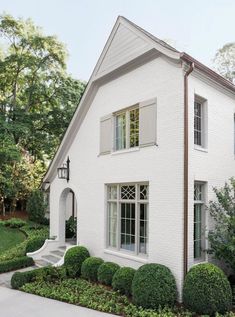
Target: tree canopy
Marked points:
37	100
224	61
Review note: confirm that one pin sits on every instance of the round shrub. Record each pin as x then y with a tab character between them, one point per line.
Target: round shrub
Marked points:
207	290
90	268
153	286
73	260
106	272
122	280
34	244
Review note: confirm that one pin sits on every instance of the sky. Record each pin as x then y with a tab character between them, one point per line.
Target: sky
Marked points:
197	27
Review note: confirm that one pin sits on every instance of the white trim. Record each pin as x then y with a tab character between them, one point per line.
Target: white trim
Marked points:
140	258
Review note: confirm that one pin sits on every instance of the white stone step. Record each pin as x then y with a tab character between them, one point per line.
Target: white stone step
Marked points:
41	263
58	253
50	258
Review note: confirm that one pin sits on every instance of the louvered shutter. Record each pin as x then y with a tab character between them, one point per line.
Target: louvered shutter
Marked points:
106	134
148	122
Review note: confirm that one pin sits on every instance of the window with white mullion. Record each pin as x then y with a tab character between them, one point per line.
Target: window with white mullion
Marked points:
127	129
128	223
197	123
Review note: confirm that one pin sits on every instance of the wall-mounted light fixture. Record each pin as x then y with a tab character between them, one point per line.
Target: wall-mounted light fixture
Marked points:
63	171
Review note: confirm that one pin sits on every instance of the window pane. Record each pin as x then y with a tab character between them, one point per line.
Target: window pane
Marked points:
198	192
112	223
127	226
143	192
112	192
121	131
143	229
197	230
127	192
197	123
134	127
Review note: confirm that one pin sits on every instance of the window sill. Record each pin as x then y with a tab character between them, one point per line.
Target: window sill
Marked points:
200	148
120	254
134	149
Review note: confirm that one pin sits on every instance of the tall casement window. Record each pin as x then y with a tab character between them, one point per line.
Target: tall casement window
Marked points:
127	129
198	123
128	217
199	220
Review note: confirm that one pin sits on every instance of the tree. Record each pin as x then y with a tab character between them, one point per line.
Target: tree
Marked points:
224	61
222	237
37	100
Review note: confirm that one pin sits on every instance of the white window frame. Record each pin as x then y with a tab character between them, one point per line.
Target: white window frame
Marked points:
137	201
125	111
203	131
200	202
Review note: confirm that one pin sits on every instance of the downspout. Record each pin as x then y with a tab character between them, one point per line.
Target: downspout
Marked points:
186	167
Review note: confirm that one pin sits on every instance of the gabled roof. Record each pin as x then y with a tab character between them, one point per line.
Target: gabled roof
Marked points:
127	43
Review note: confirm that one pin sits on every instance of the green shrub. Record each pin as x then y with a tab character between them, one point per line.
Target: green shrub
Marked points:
89	270
14	223
71	227
122	280
73	260
34	244
154	286
15	264
36	206
19	279
106	272
207	290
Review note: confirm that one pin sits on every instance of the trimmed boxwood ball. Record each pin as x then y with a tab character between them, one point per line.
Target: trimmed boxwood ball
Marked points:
89	270
207	290
106	272
153	286
122	280
73	260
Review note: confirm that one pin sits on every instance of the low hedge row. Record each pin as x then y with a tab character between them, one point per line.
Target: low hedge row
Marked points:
15	264
46	274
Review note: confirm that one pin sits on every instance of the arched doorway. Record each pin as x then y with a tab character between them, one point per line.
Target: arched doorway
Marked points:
67	216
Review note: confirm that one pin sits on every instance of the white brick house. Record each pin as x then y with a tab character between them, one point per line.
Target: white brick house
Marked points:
154	127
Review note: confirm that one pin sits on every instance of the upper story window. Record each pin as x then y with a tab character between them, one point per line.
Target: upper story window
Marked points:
200	122
127	129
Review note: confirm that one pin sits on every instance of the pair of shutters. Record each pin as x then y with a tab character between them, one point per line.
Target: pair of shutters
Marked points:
147	127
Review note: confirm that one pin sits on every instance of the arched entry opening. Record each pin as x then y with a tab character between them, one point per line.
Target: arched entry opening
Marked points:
68	216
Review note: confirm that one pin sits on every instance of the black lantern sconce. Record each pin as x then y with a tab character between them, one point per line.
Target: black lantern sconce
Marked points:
63	172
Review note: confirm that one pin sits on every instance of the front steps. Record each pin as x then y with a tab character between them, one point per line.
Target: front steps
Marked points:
52	258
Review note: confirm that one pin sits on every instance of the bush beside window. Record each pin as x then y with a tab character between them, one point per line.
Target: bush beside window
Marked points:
15	264
207	290
122	280
89	270
73	260
106	272
154	286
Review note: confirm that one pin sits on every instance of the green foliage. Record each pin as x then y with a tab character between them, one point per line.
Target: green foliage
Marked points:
15	264
36	206
154	286
122	280
14	223
90	266
71	227
224	61
73	260
37	101
106	272
207	290
98	297
32	231
222	210
34	244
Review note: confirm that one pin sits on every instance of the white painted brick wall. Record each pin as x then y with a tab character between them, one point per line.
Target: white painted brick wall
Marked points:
161	166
